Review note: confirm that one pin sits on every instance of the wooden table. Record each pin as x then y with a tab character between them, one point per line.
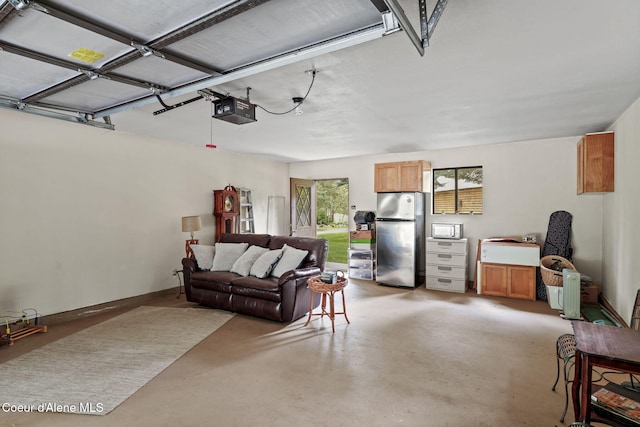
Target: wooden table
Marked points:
605	346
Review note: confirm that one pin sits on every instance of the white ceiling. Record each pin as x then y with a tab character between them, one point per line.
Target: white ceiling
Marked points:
495	71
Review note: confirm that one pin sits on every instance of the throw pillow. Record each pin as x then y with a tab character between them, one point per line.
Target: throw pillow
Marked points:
265	264
291	259
204	255
227	254
243	265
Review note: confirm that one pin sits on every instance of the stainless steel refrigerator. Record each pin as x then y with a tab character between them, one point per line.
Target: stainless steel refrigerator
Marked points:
400	239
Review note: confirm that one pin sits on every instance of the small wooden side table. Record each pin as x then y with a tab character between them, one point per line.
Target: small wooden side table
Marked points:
317	286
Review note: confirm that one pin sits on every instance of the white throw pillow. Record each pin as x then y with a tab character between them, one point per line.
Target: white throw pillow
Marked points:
227	254
265	264
291	259
243	265
204	255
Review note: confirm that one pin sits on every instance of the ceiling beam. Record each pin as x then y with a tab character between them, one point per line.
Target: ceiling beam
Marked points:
82	119
332	44
155	47
405	24
435	17
191	28
427	25
85	73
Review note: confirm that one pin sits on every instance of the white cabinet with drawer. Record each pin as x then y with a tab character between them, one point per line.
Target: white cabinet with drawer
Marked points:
447	264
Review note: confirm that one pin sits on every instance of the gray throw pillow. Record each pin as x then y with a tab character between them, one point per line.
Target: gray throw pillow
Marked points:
204	255
227	254
243	265
291	259
264	265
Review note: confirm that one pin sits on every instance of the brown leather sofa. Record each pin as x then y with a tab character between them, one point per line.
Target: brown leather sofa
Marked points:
284	299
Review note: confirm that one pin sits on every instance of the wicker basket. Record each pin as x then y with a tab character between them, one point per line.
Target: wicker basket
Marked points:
551	276
318	285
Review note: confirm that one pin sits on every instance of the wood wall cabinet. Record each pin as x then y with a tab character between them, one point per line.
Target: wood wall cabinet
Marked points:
400	176
595	163
512	281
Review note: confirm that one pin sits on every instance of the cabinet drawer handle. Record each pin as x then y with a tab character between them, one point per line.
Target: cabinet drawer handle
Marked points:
447	256
444	281
444	268
445	244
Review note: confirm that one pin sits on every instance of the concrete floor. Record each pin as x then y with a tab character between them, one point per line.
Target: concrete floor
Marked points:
408	358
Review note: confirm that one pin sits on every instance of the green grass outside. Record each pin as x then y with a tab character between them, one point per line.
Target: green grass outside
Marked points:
338	246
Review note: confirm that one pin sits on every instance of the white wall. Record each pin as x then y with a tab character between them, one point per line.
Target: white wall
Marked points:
89	215
622	217
524	182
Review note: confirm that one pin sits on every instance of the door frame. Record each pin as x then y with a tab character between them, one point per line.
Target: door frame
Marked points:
310	229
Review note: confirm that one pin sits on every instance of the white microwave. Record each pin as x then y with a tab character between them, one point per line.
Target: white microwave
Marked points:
442	230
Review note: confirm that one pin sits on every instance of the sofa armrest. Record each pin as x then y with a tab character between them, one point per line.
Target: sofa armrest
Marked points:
190	264
300	273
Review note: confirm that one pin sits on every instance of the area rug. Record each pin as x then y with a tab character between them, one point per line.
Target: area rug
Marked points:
94	370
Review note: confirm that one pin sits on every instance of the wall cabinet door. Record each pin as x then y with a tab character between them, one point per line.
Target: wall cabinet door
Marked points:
595	163
387	177
400	176
521	282
494	279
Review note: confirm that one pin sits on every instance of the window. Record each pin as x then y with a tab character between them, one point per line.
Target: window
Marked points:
457	190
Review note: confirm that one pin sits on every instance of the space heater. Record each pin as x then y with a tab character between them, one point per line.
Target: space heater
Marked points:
570	294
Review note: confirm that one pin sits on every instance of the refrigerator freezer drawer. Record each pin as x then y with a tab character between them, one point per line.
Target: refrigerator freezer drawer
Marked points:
399	206
446	284
447	259
446	271
447	246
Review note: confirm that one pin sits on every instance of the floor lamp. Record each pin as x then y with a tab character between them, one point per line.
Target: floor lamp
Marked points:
190	224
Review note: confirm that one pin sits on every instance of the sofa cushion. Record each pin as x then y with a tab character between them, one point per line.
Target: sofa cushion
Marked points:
204	255
290	260
213	280
317	248
264	265
250	286
243	265
226	254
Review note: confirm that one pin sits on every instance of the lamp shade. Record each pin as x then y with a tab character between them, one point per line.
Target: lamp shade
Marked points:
191	224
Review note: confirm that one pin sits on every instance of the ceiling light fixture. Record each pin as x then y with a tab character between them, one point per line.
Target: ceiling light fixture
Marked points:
298	101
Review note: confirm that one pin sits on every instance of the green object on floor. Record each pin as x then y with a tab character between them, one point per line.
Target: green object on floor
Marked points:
594	314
